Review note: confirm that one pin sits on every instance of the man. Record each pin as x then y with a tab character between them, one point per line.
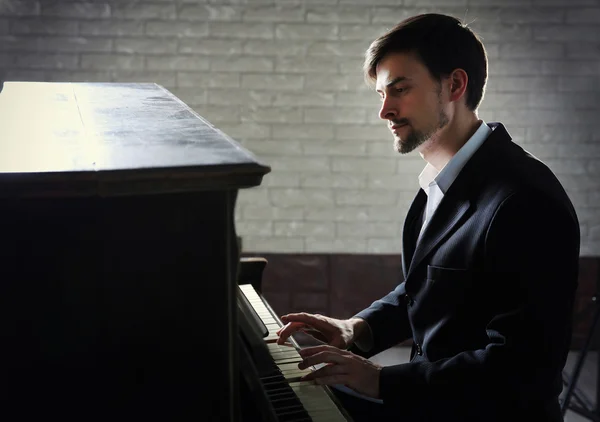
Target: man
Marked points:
490	252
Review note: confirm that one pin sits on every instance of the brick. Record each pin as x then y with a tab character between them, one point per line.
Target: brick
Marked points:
89	10
19	8
389	213
218	114
368	99
282	180
361	32
340	15
210	13
24	75
394	15
145	46
565	33
6	60
327	180
279	13
367	229
304	99
285	147
366	198
334	115
275	48
273	81
303	131
352	66
241	64
338	48
583	15
503	32
47	61
443	3
295	197
583	150
238	97
177	29
514	67
305	32
4	27
259	244
581	50
528	15
78	76
262	212
40	26
176	63
566	166
371	2
545	117
73	44
191	96
336	213
132	10
335	82
554	3
272	114
363	165
303	164
111	28
564	100
572	67
208	80
254	228
384	246
210	47
521	83
337	245
246	130
166	79
245	31
303	228
531	50
363	132
333	148
502	101
578	84
306	64
381	149
111	61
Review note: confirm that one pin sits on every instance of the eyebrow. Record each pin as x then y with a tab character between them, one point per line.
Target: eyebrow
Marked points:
395	81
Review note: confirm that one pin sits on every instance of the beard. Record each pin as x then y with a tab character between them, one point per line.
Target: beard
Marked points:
416	138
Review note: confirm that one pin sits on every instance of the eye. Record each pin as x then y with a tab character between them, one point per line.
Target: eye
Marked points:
400	90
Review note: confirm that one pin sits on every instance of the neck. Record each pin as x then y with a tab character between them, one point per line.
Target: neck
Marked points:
444	144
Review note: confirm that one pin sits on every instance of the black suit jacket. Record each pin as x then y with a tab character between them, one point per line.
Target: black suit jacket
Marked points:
487	295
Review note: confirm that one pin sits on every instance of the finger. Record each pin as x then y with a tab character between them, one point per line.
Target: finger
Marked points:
315	321
322	357
310	351
333	380
289	329
326	371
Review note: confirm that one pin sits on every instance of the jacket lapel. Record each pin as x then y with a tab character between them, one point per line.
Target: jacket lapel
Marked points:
449	214
408	238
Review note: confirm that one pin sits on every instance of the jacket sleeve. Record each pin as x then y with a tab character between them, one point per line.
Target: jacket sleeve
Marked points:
531	257
388	320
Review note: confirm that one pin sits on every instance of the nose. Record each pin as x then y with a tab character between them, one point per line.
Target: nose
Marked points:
388	110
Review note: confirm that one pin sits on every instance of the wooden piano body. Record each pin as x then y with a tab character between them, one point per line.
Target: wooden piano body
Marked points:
118	256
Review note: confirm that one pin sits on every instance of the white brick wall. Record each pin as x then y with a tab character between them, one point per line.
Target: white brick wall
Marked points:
284	78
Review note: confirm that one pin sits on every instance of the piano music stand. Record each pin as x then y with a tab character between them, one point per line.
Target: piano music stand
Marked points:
583	405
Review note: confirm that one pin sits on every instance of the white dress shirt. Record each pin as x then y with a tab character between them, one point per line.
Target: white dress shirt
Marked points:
437	184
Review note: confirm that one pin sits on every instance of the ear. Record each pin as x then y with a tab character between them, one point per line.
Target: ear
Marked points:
458	84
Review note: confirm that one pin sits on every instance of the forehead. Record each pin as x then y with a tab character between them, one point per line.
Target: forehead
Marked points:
398	65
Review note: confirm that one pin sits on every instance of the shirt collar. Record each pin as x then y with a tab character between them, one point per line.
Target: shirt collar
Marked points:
446	177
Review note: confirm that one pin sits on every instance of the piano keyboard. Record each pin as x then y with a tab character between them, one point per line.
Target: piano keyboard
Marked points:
292	399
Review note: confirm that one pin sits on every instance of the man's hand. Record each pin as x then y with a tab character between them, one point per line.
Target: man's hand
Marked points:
342	367
335	332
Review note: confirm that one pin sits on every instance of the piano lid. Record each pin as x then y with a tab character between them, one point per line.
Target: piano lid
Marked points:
106	139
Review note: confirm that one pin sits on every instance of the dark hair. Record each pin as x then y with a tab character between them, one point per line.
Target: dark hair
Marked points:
442	43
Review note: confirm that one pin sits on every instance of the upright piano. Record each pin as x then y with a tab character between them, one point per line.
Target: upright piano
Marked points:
118	265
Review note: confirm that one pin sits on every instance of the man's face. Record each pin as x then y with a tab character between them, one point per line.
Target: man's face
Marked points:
412	101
